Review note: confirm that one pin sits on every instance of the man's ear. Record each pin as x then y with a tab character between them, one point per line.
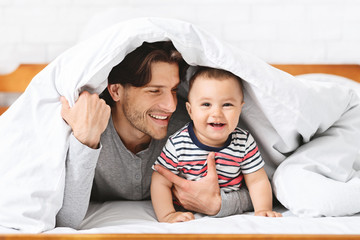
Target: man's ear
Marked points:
116	91
188	108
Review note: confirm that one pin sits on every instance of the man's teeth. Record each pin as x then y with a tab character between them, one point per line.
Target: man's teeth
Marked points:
159	117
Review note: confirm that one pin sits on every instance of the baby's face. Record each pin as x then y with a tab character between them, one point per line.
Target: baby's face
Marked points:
214	106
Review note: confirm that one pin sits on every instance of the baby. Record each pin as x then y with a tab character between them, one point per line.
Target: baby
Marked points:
214	105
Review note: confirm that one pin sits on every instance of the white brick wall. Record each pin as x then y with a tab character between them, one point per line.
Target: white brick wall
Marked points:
279	31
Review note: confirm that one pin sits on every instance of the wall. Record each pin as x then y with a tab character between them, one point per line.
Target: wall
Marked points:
279	31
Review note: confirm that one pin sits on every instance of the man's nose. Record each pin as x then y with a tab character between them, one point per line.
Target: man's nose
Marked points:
169	102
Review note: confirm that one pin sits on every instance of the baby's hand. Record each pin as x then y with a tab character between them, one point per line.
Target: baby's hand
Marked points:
178	217
267	213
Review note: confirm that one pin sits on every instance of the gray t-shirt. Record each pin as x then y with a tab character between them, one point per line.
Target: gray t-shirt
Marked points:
112	172
132	182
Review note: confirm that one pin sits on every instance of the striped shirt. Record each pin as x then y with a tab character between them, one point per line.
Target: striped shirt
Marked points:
185	156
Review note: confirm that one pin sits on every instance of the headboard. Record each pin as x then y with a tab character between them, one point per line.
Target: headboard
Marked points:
351	71
13	84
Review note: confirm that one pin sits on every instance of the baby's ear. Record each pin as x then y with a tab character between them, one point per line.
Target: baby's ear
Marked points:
188	108
116	91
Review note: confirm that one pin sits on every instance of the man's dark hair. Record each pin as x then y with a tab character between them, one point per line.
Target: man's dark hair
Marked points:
135	69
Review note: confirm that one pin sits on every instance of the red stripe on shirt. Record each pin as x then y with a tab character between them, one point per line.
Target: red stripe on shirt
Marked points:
250	154
233	182
195	172
192	163
222	155
168	160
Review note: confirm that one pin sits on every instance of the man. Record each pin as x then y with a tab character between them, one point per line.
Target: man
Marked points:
113	148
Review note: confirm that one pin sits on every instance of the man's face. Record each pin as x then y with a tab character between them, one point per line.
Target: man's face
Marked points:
148	109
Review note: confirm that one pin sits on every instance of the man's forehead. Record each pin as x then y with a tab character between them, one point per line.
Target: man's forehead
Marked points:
164	74
159	85
160	65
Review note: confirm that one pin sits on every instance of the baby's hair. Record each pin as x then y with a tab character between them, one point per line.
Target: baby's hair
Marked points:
214	73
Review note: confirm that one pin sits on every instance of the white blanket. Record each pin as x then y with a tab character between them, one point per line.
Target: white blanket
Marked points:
310	130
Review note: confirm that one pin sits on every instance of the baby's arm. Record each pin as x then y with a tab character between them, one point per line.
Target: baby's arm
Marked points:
161	198
260	193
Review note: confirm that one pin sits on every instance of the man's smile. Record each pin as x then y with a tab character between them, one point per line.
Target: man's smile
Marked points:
160	117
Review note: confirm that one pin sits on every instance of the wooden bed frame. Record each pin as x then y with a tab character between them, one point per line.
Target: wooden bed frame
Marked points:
19	79
177	237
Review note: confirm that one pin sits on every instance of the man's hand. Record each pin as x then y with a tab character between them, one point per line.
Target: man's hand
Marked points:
88	118
201	196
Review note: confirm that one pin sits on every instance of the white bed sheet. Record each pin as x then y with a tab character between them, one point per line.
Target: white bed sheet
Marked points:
139	217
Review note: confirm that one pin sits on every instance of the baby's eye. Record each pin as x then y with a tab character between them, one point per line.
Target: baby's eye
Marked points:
228	104
205	104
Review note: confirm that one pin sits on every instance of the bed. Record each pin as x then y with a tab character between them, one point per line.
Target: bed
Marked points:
136	219
109	221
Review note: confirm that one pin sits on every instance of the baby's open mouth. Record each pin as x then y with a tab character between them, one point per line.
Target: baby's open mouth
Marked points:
217	124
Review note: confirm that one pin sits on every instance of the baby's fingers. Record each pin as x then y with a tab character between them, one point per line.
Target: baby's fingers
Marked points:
261	214
184	217
187	216
273	214
278	214
268	214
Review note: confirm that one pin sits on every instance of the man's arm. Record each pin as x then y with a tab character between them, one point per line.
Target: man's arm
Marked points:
204	196
80	168
88	119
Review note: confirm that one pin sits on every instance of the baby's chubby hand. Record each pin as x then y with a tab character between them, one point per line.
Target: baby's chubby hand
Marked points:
267	213
178	217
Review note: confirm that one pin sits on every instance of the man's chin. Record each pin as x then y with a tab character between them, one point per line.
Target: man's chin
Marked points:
159	137
159	134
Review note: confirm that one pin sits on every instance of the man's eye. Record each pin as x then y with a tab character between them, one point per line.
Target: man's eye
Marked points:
155	91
